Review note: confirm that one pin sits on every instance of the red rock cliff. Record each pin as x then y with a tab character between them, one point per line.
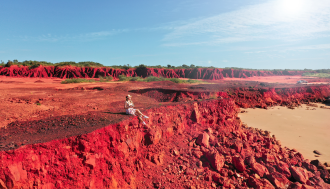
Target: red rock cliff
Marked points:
95	72
190	144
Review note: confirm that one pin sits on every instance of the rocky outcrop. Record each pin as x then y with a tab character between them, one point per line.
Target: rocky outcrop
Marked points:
95	72
183	146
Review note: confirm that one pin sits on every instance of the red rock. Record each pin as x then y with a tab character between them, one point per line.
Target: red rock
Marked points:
117	171
224	172
190	171
158	159
216	177
271	169
153	136
17	172
250	160
199	164
259	169
259	183
90	160
48	186
268	158
283	168
295	185
238	147
304	186
224	181
299	174
217	161
319	182
278	180
203	140
318	164
324	174
239	163
175	152
197	153
2	185
269	145
294	161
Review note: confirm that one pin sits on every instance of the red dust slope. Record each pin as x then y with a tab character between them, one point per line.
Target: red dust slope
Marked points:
188	145
94	72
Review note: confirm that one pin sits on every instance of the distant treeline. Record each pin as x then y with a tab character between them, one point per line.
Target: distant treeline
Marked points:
33	64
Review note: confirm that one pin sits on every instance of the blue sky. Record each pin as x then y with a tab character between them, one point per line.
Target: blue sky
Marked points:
274	34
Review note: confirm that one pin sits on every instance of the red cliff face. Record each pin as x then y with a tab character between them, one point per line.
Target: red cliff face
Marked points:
94	72
201	144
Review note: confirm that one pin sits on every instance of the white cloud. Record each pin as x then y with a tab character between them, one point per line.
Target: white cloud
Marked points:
311	47
273	20
255	52
294	48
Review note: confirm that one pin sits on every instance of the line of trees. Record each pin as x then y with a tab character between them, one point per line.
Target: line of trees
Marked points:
33	64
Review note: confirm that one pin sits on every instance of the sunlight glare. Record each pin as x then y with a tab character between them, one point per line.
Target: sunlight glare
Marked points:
292	7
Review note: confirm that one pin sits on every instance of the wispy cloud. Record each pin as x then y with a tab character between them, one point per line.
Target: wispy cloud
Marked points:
79	37
293	48
273	20
311	47
255	52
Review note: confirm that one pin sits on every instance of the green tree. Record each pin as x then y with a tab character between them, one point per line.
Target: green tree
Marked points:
9	63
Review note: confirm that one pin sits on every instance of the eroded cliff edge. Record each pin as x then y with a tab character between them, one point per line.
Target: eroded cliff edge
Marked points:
194	144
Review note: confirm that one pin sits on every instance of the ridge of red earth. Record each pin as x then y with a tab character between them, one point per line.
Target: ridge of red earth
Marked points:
95	72
193	140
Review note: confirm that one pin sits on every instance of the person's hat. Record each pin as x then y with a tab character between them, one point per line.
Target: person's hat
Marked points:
128	96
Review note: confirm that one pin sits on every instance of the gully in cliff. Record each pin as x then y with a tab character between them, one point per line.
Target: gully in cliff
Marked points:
129	109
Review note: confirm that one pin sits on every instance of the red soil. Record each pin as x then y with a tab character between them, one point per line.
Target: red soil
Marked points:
283	79
193	139
94	72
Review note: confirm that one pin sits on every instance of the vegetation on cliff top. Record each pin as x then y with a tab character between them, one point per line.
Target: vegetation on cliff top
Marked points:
33	64
319	74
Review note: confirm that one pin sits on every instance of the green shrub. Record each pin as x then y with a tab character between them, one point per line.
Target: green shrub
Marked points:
101	79
136	79
123	78
175	80
322	75
193	81
109	78
77	80
153	78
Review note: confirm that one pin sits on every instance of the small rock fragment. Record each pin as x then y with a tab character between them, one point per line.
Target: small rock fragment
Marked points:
189	171
203	140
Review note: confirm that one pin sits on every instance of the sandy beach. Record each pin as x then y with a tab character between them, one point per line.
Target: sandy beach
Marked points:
305	128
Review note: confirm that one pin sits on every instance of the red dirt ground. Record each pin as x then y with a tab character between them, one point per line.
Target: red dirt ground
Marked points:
78	136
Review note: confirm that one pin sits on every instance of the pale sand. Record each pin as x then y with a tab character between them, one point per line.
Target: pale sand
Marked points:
304	130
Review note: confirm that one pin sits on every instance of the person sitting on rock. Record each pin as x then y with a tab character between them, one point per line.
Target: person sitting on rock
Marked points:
129	109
